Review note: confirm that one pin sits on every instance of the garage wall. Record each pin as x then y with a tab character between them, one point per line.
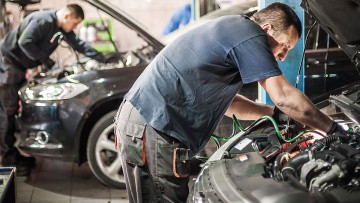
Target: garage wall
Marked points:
154	14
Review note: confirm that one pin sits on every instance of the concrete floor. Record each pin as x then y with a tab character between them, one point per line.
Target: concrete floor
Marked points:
53	181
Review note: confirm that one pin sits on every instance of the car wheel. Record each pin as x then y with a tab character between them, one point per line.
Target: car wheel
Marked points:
103	158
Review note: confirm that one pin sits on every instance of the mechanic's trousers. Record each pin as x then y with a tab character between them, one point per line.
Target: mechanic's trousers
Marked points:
11	80
156	166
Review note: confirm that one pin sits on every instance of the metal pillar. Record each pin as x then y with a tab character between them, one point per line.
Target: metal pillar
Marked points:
290	66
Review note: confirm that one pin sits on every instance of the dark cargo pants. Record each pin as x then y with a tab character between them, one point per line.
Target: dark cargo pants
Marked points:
155	166
11	80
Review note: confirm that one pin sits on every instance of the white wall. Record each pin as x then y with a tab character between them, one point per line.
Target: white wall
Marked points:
154	14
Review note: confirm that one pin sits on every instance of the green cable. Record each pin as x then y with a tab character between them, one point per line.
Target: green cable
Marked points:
299	135
272	121
221	138
202	158
277	129
216	140
236	124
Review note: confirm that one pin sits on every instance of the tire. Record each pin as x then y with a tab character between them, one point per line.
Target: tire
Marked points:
103	158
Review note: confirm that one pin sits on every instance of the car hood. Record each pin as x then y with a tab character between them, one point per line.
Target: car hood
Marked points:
340	20
113	10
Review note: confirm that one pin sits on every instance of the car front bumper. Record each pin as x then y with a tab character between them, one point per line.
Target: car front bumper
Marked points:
48	128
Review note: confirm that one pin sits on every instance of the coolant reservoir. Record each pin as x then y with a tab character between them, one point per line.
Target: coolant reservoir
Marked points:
91	34
83	33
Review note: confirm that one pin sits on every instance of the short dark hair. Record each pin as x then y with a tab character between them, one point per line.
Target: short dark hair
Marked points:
76	11
280	16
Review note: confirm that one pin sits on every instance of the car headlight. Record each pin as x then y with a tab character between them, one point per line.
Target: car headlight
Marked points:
58	91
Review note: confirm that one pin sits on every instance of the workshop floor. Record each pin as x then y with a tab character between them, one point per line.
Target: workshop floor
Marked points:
53	181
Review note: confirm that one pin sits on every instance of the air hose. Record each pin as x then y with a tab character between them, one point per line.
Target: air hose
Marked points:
237	124
326	141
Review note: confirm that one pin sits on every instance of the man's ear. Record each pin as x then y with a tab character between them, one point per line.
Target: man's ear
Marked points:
267	27
67	16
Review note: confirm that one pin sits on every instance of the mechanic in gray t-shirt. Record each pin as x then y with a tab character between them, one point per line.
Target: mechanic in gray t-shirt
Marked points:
173	108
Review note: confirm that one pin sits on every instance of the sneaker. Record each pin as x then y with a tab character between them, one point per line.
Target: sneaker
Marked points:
26	161
14	158
9	158
22	170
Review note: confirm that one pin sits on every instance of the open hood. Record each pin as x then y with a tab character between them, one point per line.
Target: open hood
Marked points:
340	19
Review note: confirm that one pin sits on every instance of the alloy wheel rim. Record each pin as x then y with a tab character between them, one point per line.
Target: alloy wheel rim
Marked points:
107	157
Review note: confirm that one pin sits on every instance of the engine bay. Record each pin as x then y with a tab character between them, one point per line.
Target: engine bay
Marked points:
129	59
270	162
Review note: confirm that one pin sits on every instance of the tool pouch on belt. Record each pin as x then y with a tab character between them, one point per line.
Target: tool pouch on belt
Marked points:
133	146
173	161
181	164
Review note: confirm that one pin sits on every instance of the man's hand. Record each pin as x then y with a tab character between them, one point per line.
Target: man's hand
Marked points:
48	64
336	131
279	116
337	128
112	58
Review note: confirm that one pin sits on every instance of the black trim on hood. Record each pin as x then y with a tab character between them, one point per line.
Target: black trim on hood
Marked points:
340	19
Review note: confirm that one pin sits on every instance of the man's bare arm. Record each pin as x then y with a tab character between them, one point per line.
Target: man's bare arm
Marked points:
246	109
294	103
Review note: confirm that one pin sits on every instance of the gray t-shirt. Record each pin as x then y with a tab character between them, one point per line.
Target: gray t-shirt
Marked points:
186	89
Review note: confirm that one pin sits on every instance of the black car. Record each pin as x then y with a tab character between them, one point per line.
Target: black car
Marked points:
68	113
274	163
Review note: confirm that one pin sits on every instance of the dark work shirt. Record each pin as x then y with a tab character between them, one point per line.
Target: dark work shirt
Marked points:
32	42
186	89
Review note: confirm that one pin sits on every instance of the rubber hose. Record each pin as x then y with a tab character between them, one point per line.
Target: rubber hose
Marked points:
294	164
